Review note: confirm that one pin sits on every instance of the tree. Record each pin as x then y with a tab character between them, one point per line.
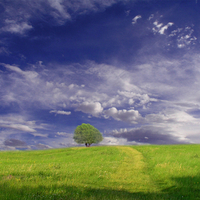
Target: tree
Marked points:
87	134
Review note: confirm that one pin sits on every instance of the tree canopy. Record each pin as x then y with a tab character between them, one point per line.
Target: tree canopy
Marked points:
87	134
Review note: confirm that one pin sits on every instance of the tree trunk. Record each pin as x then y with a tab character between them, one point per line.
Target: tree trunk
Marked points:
87	145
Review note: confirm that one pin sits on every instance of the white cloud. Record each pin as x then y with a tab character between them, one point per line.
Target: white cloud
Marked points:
159	28
158	25
60	112
40	135
162	30
134	20
50	90
30	75
93	108
185	37
142	98
151	17
59	6
13	26
18	13
113	78
117	141
19	122
156	118
121	130
110	87
177	122
130	101
62	134
130	116
182	37
113	92
113	141
175	32
20	127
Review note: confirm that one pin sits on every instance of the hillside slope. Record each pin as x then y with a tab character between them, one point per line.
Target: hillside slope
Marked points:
118	172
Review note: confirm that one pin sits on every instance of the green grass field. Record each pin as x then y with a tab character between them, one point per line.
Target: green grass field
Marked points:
113	172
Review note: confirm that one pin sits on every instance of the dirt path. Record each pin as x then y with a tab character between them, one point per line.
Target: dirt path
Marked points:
132	174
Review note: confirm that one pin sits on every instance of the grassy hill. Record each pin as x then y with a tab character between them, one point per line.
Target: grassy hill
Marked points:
113	172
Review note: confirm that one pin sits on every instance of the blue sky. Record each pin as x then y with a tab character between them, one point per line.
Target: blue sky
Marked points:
129	68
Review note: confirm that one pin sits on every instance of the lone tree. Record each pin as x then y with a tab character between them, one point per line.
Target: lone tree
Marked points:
87	134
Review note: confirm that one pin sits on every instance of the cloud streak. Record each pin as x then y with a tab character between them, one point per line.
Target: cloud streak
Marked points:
60	112
20	127
20	123
13	26
18	14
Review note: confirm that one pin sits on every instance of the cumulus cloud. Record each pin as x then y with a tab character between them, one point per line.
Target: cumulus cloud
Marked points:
121	130
111	86
130	116
93	108
116	89
115	93
162	30
60	112
180	37
159	28
186	38
137	98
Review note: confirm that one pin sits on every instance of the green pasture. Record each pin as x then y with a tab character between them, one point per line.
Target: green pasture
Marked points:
103	173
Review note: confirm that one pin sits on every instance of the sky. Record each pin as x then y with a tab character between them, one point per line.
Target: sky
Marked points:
130	68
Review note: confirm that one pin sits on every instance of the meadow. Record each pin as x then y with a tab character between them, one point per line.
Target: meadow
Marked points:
102	172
